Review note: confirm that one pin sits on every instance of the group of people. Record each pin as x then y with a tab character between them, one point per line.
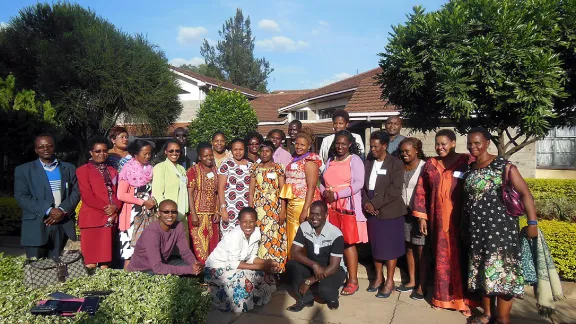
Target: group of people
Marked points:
243	211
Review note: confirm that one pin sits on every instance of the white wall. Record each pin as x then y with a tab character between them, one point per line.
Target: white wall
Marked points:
313	108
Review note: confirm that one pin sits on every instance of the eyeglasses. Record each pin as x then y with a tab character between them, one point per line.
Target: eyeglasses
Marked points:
172	151
100	151
173	212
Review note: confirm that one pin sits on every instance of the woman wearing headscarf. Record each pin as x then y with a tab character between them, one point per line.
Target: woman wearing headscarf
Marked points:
233	186
203	196
300	189
170	181
437	204
98	182
135	190
341	187
267	178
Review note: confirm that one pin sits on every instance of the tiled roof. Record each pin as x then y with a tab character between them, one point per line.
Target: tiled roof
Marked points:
215	82
267	105
366	98
265	129
321	128
346	84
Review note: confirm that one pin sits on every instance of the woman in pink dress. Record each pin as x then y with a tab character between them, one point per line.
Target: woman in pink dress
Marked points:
341	187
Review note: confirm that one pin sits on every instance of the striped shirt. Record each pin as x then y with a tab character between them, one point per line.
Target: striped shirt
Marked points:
55	179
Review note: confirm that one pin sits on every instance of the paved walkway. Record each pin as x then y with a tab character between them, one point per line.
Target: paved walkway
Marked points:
363	307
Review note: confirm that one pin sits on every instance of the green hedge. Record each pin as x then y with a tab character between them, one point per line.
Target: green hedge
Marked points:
10	216
552	188
561	238
137	297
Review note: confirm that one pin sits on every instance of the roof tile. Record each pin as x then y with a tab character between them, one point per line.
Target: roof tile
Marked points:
215	82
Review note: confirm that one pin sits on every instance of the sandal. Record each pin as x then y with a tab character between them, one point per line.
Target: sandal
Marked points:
404	288
350	289
479	319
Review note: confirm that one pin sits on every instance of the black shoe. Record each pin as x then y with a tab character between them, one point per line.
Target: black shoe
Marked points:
374	289
416	296
404	288
333	304
300	306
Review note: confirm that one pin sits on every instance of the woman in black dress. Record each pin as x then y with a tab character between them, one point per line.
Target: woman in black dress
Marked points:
494	261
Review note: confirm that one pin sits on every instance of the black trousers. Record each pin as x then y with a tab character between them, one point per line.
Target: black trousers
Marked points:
327	289
57	239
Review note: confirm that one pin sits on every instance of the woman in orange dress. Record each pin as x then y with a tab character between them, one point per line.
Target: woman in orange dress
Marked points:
300	189
437	204
267	178
203	197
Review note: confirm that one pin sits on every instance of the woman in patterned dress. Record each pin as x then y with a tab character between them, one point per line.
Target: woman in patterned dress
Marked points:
237	278
203	197
135	190
267	178
437	204
494	261
300	189
233	186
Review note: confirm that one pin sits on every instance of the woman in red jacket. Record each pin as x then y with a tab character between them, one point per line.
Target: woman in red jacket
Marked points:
98	183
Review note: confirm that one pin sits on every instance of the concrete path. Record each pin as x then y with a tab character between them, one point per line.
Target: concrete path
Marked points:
363	307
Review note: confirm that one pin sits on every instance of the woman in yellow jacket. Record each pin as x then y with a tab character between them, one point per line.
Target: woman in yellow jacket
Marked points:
169	180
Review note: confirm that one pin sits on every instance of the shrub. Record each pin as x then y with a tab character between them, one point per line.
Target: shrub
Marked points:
560	209
552	188
136	297
560	237
11	216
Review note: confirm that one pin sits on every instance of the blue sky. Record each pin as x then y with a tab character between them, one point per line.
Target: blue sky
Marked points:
308	43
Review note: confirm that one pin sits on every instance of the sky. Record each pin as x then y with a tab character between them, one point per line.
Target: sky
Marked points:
308	43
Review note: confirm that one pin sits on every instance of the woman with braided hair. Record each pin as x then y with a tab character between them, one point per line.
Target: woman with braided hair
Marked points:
300	188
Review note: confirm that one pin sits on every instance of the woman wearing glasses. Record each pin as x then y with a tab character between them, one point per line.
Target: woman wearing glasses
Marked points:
153	250
170	180
253	141
98	185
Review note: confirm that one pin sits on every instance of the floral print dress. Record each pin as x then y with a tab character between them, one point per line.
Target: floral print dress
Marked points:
494	261
236	191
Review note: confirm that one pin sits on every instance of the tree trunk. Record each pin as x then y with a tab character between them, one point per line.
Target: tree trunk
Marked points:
507	144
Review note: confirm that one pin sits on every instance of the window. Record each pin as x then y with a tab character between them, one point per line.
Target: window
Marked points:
301	115
328	112
557	149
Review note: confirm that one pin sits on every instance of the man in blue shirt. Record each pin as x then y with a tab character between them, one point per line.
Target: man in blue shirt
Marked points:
393	125
47	192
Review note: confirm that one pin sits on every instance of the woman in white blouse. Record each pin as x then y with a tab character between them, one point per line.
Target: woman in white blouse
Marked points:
237	278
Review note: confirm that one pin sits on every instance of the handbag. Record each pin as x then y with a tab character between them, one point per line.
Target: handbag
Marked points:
345	220
141	221
512	200
50	271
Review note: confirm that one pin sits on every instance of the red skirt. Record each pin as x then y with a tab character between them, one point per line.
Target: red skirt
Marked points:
96	244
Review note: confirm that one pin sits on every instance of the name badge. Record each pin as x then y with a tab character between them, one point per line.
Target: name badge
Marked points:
210	175
316	249
115	181
381	172
244	167
294	166
271	175
458	174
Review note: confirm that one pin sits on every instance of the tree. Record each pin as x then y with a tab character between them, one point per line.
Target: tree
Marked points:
22	117
233	56
92	73
506	65
227	111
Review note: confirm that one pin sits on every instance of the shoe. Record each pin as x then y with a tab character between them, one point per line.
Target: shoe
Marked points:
383	295
300	306
333	304
404	288
416	296
374	289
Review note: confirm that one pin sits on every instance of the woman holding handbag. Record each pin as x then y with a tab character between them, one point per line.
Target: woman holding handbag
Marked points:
494	260
134	189
341	187
382	200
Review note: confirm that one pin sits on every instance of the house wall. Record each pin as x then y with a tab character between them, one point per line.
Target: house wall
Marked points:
190	100
313	108
555	174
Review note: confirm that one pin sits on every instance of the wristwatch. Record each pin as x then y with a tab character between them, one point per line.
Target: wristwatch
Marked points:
222	206
307	282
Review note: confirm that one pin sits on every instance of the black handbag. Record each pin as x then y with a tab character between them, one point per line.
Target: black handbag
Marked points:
50	271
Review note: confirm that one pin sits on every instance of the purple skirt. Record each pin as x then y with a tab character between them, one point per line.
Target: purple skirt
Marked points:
386	238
